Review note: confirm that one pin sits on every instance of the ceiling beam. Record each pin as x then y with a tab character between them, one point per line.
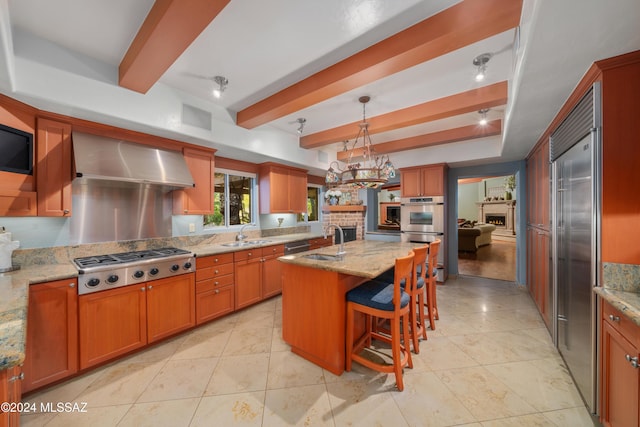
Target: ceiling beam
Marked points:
169	28
449	106
492	128
460	25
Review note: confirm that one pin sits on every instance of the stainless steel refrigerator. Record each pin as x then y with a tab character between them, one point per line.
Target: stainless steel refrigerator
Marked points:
575	149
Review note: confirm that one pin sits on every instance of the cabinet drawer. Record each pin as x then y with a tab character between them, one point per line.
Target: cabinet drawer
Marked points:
214	303
248	254
210	284
212	272
212	260
621	323
320	242
276	250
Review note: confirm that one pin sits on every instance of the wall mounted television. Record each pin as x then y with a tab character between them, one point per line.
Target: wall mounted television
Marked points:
16	150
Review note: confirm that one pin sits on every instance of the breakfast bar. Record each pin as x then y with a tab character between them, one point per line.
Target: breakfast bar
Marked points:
313	296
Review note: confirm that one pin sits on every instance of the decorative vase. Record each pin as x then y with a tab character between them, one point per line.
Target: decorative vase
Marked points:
333	201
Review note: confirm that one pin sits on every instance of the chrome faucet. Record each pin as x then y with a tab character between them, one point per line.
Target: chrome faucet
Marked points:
240	237
341	251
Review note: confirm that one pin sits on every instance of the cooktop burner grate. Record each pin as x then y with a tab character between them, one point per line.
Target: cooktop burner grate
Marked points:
124	257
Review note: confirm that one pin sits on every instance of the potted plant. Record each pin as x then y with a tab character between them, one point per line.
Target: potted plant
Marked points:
509	186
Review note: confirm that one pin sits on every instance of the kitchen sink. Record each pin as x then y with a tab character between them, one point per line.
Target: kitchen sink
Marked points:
323	257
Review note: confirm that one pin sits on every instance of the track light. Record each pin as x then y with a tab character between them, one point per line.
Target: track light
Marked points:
301	121
222	83
480	62
483	116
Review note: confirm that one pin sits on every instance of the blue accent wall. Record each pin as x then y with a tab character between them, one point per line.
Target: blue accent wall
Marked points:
518	169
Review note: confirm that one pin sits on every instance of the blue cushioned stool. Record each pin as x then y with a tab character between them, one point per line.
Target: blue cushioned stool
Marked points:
381	300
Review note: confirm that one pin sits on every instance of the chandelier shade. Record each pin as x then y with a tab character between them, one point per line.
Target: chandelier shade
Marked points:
371	172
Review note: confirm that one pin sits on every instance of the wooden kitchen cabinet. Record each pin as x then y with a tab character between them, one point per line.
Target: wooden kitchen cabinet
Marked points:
10	392
215	292
53	168
539	186
112	323
283	189
271	270
199	199
170	306
120	320
320	242
258	274
620	358
539	271
423	181
52	333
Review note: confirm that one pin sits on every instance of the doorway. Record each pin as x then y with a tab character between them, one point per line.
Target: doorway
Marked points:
503	257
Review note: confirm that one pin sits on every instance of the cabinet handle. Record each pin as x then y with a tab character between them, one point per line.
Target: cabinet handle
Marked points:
66	211
633	361
72	285
17	377
217	291
614	318
150	287
185	211
216	271
250	254
215	283
215	260
143	289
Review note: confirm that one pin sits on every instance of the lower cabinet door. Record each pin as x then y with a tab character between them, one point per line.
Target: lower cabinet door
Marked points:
271	277
248	277
112	323
170	306
214	303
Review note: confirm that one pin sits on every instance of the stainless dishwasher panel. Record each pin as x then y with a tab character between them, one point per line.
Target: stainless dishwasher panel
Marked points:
297	246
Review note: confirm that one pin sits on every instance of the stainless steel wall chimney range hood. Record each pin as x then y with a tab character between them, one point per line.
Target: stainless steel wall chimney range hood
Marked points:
98	157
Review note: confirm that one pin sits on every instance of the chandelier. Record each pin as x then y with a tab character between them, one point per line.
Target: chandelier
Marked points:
371	172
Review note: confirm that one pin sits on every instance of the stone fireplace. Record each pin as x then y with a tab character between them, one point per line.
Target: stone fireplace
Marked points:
349	216
500	213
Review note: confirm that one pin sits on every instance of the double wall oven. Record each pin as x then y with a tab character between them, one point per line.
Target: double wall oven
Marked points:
422	219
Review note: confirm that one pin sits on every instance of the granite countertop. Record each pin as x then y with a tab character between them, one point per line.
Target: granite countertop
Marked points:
14	291
621	288
364	258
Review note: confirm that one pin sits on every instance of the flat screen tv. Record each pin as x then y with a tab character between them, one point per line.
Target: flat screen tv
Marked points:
16	150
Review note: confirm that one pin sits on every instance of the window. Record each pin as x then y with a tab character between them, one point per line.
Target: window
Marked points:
233	199
313	205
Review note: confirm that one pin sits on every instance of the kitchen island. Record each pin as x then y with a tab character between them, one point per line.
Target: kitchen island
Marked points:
313	296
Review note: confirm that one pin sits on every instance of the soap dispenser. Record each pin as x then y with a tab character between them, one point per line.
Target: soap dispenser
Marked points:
7	246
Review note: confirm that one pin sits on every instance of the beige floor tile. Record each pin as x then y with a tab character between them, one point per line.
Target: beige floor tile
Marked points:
157	353
206	343
362	402
442	353
174	413
298	406
483	394
180	379
254	318
571	417
68	391
277	343
95	416
242	409
531	420
289	370
544	384
249	341
427	401
236	374
121	383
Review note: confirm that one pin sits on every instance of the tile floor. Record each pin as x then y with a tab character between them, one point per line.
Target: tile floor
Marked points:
490	362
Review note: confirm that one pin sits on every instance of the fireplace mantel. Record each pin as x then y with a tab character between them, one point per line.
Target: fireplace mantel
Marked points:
505	208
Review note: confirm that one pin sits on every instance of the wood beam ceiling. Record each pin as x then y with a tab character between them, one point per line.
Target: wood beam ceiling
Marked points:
460	25
436	138
169	28
449	106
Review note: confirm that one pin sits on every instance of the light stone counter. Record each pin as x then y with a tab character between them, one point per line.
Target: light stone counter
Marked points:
363	258
621	288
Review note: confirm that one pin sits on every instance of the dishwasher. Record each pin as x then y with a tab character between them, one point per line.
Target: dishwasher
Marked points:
296	247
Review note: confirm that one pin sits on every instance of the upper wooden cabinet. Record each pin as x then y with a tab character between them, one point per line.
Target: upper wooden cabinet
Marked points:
199	199
423	181
283	189
53	168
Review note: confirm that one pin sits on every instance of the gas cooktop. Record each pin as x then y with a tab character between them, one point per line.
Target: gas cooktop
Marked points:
86	263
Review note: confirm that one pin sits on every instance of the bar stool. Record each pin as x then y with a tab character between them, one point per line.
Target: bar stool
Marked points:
431	275
382	300
418	296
